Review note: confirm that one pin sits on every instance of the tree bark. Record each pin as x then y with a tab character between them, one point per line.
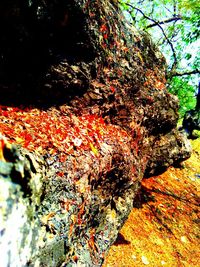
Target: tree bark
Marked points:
86	94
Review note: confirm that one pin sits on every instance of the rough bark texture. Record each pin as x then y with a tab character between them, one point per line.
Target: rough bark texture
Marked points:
99	86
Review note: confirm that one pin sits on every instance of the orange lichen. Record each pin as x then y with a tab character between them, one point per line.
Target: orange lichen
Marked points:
55	133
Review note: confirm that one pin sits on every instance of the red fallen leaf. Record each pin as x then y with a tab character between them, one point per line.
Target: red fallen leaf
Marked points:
101	120
28	137
103	28
105	36
75	258
61	174
125	49
63	158
4	113
112	89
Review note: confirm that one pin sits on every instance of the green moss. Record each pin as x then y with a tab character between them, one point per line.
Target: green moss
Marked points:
54	254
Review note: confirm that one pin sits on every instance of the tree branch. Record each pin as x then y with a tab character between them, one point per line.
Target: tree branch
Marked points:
174	74
164	22
163	32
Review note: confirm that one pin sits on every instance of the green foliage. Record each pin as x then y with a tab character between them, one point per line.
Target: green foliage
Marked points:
175	28
185	92
189	4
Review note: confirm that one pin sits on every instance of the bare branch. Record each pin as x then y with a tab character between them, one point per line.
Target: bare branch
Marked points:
175	7
174	74
163	32
164	21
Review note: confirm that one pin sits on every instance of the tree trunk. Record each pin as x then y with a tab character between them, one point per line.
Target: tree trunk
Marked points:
86	94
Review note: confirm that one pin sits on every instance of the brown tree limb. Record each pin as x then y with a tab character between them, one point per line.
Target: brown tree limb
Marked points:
175	74
164	21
